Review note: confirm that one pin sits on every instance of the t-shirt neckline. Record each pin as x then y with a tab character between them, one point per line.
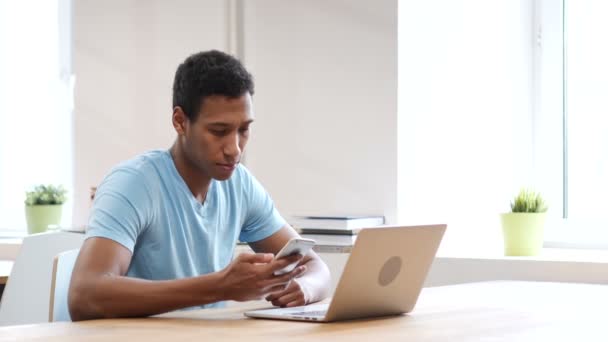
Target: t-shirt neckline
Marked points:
185	187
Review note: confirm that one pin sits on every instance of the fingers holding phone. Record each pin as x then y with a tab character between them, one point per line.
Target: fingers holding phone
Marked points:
253	276
248	276
295	246
286	264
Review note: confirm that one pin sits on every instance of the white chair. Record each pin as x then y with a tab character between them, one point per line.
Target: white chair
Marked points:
26	296
60	284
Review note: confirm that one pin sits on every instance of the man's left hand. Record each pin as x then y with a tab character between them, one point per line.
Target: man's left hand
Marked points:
293	295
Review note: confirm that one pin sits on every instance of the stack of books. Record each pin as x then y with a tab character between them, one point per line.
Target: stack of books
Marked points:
338	225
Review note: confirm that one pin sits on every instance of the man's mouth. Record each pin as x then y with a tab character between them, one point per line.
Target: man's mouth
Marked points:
227	166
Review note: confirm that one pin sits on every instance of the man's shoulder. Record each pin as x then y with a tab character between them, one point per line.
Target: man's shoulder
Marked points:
144	160
142	170
151	162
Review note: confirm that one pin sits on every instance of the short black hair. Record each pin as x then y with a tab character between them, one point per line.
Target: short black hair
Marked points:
209	73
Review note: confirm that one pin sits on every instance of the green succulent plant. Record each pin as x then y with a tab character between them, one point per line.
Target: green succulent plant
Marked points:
528	201
46	194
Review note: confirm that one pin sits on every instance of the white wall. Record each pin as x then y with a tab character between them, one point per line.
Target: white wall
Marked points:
325	140
125	56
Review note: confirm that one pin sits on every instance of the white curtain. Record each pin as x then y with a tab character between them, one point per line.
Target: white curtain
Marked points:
35	104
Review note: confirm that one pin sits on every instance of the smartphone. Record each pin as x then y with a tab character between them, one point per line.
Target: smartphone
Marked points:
294	246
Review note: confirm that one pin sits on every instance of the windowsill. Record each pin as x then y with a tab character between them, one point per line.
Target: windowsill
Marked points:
12	234
565	241
491	251
547	254
11	242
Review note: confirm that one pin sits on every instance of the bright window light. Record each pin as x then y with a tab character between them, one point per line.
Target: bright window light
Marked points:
35	105
587	109
465	114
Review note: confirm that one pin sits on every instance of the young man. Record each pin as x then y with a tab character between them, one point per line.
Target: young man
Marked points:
164	225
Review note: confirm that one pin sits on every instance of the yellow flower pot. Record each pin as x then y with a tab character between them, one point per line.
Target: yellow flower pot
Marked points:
523	233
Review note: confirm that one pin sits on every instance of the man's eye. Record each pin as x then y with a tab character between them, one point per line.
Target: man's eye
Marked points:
244	130
220	132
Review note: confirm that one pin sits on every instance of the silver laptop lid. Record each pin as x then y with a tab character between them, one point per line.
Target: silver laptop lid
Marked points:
385	271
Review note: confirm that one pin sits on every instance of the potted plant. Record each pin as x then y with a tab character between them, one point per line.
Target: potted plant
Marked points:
523	227
43	207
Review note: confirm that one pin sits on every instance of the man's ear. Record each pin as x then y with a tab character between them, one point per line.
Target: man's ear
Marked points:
180	120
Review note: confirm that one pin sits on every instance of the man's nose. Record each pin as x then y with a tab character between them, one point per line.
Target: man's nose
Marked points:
232	148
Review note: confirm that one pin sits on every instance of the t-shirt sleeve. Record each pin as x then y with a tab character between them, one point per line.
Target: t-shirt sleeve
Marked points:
122	208
262	219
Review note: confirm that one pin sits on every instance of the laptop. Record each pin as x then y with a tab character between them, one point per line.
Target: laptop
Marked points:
383	276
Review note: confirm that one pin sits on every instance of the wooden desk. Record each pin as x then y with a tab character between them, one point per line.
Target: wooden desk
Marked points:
492	311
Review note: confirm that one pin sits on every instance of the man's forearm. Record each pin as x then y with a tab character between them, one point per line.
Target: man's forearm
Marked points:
117	296
316	281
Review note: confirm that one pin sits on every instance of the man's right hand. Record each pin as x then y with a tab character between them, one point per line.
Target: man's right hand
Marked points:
251	276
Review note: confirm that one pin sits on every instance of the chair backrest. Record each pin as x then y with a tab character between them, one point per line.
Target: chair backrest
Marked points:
25	299
60	284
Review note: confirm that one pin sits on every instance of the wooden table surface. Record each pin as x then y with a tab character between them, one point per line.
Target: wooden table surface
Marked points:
490	311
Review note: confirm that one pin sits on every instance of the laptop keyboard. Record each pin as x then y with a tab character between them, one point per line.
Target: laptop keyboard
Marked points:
320	313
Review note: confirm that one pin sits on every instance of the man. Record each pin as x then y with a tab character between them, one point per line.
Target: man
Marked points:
164	225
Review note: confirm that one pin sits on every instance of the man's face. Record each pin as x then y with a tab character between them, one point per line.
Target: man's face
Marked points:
215	141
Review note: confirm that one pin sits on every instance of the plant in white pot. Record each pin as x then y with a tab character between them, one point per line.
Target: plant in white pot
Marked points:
43	207
523	227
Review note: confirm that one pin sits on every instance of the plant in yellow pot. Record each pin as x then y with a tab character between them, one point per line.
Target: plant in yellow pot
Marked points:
43	207
523	227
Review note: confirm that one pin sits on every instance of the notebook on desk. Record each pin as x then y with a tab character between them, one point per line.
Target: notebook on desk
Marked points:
383	276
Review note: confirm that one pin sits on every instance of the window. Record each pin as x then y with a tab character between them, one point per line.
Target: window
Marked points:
35	103
494	96
586	109
466	104
580	52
